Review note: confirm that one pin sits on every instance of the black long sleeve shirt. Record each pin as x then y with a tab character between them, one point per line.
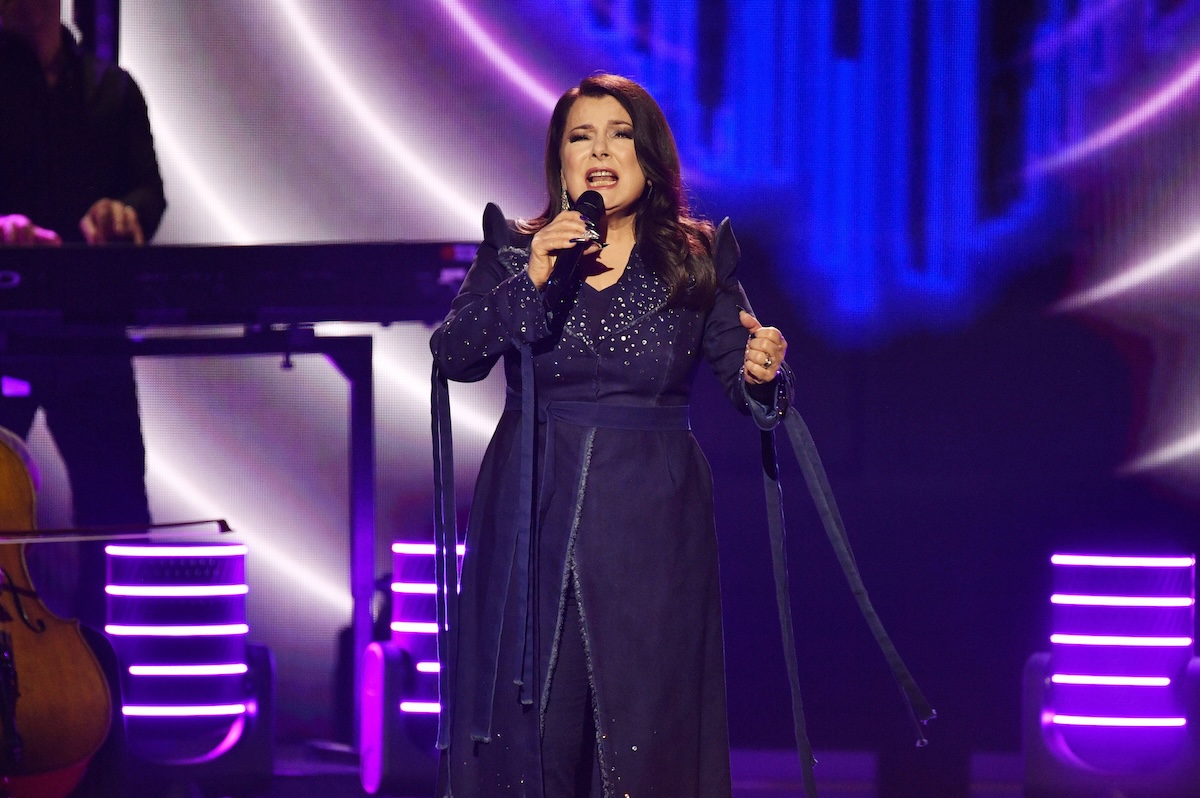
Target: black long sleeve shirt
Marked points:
64	147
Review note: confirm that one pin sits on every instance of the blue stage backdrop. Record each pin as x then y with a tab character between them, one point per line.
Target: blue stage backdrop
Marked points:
974	219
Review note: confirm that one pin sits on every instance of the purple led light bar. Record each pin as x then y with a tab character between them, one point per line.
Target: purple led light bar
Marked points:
424	588
178	551
216	669
423	548
1121	601
425	707
1091	720
1106	561
415	627
207	630
1115	681
177	591
184	711
1118	640
429	667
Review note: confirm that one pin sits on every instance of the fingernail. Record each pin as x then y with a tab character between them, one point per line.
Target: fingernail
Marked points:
602	246
585	219
580	240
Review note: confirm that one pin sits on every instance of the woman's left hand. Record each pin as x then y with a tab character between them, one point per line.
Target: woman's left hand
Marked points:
765	351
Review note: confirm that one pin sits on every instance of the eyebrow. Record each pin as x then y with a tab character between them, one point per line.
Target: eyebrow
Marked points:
590	126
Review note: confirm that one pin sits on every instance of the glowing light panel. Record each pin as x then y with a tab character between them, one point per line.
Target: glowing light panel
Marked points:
205	630
218	669
1112	681
1121	601
199	711
1118	640
422	548
415	627
1105	561
423	588
1089	720
177	551
177	591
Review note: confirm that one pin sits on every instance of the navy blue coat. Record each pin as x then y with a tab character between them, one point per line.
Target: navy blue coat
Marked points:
622	511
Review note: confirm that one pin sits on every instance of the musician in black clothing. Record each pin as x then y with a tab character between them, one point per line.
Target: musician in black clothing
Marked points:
77	166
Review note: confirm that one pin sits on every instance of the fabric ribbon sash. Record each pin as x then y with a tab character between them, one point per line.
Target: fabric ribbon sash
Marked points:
805	450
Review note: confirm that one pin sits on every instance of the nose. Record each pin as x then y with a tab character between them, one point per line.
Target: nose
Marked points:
600	146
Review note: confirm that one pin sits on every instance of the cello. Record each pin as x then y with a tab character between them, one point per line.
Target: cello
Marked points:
55	705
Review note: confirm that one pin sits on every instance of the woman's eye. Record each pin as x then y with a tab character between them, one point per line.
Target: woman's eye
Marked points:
625	134
577	137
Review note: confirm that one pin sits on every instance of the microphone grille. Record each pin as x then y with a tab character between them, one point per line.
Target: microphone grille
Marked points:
591	205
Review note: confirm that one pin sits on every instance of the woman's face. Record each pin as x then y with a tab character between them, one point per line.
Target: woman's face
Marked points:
598	154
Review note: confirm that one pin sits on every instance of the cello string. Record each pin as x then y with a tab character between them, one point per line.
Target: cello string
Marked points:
118	532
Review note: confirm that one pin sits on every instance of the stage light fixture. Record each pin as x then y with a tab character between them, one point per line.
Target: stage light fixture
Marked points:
1113	707
399	704
197	698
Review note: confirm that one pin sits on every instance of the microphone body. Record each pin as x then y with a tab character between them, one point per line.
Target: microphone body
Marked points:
563	281
591	205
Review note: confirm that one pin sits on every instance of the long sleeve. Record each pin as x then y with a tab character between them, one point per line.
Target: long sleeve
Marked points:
145	192
725	341
495	311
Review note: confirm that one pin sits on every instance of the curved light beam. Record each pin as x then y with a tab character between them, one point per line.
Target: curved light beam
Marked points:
1133	120
335	596
174	153
362	112
1183	448
465	416
479	421
1156	267
499	58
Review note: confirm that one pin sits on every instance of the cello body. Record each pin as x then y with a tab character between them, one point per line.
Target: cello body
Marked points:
55	705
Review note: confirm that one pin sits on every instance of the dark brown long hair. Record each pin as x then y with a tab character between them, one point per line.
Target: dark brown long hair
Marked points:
673	243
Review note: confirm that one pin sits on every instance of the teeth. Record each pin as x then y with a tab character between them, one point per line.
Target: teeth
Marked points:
604	176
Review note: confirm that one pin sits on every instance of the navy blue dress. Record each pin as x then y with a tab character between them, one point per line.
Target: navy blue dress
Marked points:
622	515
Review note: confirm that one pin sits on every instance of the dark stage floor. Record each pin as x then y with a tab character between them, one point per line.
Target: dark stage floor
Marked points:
307	772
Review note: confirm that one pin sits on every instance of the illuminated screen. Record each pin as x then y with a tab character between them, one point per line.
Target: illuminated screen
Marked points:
898	173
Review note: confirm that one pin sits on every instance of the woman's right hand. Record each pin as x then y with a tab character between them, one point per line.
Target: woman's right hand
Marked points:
562	233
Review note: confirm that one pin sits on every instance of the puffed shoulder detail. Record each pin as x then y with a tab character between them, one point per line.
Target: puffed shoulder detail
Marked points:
495	226
726	251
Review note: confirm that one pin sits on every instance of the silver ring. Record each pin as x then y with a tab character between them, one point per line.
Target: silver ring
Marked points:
767	362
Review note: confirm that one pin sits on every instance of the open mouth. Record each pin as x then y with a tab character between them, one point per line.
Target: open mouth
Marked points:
601	178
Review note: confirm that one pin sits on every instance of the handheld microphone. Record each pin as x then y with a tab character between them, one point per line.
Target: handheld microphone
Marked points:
591	205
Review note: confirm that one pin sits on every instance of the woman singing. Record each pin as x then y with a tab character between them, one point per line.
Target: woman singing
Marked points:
588	650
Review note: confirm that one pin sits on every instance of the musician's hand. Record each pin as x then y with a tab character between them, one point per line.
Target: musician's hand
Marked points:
109	221
17	230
